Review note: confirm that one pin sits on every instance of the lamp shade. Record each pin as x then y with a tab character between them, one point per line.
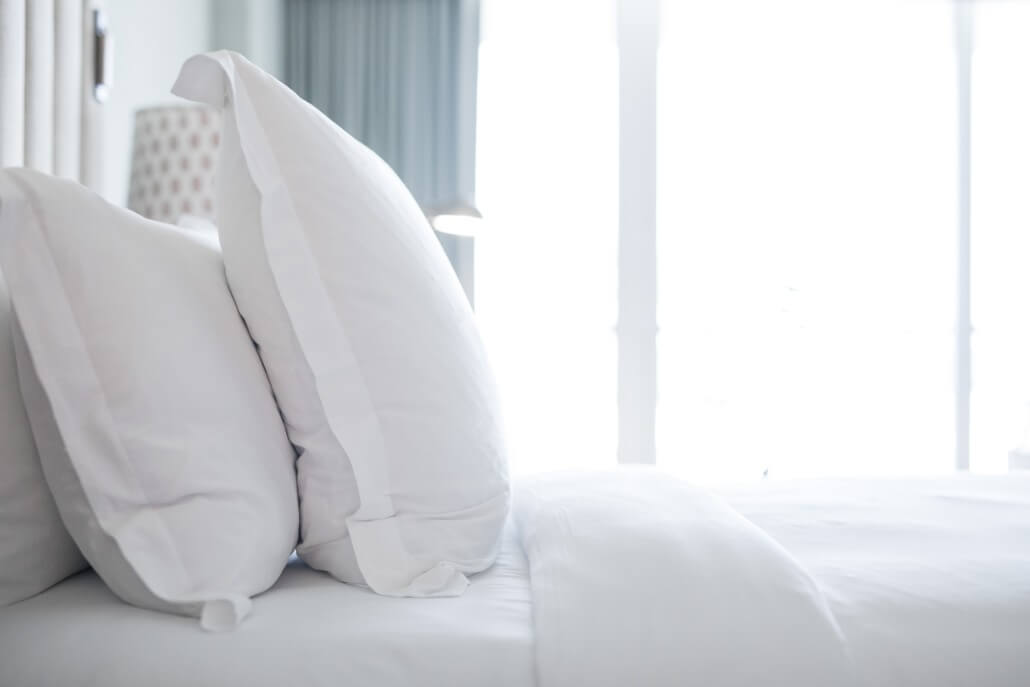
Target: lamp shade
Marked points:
173	162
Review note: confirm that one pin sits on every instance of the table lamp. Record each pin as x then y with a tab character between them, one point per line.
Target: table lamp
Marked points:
174	150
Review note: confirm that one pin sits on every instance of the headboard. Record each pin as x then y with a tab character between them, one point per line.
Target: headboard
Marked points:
52	58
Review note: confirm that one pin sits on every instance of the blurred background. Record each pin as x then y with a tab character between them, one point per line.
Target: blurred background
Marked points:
733	238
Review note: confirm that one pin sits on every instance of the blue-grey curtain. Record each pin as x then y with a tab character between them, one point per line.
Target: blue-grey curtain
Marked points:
399	75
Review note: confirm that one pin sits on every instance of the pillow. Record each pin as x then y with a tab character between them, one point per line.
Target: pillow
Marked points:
156	427
36	550
367	337
198	224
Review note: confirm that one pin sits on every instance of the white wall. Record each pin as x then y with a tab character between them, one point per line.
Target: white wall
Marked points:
151	39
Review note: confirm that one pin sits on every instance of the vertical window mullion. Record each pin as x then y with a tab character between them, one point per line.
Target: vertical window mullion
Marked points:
637	263
963	324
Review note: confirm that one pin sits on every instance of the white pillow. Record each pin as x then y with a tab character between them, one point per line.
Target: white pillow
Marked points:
367	337
36	550
156	427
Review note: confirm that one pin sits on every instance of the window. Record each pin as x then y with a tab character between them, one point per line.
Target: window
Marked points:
806	228
808	190
547	184
1000	231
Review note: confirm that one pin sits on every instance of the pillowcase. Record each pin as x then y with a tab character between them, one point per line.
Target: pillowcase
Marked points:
156	427
367	337
36	550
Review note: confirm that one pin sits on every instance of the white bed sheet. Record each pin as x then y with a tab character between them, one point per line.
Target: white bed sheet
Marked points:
929	579
308	630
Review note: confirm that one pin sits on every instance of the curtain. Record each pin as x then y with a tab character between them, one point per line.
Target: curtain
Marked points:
399	75
47	118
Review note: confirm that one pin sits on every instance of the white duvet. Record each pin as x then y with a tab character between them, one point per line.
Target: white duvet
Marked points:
639	579
929	578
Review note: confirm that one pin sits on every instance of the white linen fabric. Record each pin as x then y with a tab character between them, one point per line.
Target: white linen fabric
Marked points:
36	550
155	424
308	630
929	579
640	579
368	339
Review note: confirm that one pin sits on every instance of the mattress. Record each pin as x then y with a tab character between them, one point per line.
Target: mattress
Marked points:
929	581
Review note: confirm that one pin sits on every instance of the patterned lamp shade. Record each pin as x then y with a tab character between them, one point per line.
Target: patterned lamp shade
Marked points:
173	162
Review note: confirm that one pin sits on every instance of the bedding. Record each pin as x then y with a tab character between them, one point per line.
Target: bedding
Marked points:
928	582
929	579
641	579
36	550
367	337
157	431
309	630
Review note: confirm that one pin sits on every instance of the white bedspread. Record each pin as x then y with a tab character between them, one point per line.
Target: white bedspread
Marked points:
639	579
929	579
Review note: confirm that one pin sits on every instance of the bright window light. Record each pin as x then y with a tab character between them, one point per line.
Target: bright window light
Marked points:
547	186
1000	232
807	208
806	227
807	219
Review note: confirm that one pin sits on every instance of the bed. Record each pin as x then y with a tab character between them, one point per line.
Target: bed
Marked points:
928	579
613	578
309	629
